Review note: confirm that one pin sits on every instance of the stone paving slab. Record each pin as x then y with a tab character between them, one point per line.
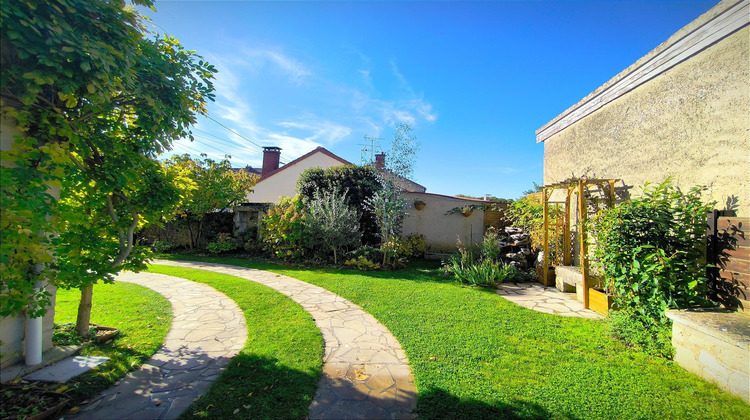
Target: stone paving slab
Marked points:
66	369
545	299
189	361
366	374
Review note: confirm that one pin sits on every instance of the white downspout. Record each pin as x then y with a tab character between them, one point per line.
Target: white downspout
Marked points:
34	329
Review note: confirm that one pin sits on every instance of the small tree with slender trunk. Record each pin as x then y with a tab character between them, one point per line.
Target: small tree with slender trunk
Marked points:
332	222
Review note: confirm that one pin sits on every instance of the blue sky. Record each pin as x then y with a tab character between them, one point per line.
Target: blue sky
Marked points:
474	79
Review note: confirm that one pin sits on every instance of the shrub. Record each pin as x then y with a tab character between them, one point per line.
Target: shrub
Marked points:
485	273
651	251
641	333
490	246
283	229
368	252
362	263
332	223
163	246
223	243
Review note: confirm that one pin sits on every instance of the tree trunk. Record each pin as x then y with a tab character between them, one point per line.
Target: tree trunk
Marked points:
190	231
84	311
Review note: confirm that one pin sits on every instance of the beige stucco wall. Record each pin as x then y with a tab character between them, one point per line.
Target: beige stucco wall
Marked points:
691	122
12	328
442	231
284	183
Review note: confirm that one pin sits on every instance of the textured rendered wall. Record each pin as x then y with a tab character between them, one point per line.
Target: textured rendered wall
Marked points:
691	122
442	231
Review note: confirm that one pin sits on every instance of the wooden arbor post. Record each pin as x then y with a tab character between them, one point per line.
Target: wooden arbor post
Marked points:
546	192
582	215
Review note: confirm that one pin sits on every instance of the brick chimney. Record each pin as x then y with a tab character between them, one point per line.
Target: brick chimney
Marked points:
271	157
380	160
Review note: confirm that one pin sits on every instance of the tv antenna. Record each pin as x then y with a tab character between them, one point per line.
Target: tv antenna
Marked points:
370	149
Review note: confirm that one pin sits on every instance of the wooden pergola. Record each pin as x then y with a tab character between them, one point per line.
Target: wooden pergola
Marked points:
580	185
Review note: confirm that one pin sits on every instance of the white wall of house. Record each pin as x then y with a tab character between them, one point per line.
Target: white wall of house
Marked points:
284	182
12	328
442	231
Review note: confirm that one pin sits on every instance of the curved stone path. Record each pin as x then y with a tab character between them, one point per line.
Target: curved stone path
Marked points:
366	374
208	330
545	299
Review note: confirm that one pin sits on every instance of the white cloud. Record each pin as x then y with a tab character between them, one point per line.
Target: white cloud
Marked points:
255	57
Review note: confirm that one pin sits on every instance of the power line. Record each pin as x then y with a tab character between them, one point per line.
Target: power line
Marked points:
233	131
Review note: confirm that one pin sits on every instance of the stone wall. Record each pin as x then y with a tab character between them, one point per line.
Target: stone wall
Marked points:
714	346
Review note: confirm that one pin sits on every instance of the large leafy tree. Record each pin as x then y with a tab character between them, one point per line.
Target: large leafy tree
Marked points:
213	186
97	99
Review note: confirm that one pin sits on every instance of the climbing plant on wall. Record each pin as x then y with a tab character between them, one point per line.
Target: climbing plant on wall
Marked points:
96	99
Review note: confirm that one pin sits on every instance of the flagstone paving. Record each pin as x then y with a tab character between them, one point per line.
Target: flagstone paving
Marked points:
545	299
366	374
208	329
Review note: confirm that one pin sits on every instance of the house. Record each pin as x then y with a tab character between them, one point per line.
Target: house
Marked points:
682	110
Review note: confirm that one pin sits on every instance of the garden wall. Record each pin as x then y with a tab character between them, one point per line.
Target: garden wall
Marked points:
442	231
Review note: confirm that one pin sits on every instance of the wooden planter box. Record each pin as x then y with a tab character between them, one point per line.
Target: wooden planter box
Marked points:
600	302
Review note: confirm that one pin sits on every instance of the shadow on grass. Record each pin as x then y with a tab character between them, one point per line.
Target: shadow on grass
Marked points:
437	403
253	387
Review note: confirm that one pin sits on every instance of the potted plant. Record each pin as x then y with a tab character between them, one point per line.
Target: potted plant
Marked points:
419	204
466	211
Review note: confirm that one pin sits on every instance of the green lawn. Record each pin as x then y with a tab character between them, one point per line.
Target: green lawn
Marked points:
143	323
476	355
276	374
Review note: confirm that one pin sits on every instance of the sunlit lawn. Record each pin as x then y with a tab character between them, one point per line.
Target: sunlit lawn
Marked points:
276	374
476	355
143	318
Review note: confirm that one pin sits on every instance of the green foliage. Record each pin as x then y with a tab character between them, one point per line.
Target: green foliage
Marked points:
641	333
210	186
370	253
332	223
403	152
362	263
486	272
223	243
163	246
528	214
96	101
284	229
360	182
490	246
388	207
651	251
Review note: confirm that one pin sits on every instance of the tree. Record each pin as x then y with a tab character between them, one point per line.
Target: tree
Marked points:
332	222
402	155
388	207
213	186
97	100
361	182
